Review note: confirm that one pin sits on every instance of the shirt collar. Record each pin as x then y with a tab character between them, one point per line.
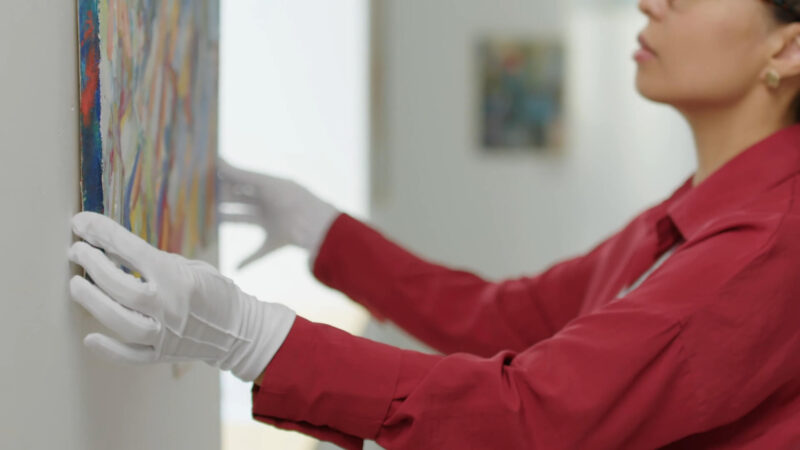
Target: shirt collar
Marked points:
751	172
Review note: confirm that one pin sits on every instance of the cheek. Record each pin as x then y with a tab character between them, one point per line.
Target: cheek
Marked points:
704	62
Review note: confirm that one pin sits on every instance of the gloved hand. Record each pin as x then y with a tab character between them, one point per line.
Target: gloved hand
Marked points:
181	310
287	212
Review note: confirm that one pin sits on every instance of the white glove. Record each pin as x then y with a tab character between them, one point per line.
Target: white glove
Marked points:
287	212
181	310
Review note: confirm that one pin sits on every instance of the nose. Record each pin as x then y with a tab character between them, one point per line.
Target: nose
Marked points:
654	9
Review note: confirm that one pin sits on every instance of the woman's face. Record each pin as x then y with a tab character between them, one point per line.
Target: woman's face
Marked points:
708	52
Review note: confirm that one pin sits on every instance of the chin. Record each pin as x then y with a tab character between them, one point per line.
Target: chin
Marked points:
649	90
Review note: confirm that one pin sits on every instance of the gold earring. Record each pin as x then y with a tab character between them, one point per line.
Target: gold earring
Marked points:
773	79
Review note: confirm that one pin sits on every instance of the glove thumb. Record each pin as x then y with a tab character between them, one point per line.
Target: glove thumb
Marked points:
269	246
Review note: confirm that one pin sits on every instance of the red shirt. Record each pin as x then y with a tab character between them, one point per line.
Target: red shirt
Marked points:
705	353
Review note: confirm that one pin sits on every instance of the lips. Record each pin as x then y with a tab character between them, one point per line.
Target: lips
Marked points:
644	44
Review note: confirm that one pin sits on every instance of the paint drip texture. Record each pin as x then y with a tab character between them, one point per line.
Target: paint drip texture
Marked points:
148	117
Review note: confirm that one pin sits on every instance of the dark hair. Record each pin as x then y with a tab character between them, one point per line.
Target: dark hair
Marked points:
788	11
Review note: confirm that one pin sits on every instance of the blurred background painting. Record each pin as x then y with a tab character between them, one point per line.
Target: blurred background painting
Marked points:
148	108
521	84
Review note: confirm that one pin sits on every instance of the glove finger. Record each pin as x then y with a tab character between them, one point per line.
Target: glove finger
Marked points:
235	192
131	325
111	348
243	217
231	173
225	171
122	287
123	266
247	180
104	232
269	246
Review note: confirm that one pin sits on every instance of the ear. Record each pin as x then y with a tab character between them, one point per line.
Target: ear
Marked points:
785	51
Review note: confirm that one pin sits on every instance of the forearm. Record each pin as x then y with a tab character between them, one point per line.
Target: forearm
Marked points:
450	310
343	388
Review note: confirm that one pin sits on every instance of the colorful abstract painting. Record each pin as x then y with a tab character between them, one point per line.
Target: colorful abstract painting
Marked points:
521	92
148	117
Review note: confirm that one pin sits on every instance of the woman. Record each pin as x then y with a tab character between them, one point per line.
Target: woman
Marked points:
680	330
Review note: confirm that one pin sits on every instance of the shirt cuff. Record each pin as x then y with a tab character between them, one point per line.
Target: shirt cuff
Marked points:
325	222
345	258
345	441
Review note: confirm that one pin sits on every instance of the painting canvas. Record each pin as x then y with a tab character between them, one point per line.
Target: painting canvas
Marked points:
521	92
148	117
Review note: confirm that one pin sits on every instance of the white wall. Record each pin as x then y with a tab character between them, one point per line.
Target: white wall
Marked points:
503	216
55	393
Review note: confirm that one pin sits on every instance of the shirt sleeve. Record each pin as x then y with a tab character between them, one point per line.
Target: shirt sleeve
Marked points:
588	386
699	344
449	309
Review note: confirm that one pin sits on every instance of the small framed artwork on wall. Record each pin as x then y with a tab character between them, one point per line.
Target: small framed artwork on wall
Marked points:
521	91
